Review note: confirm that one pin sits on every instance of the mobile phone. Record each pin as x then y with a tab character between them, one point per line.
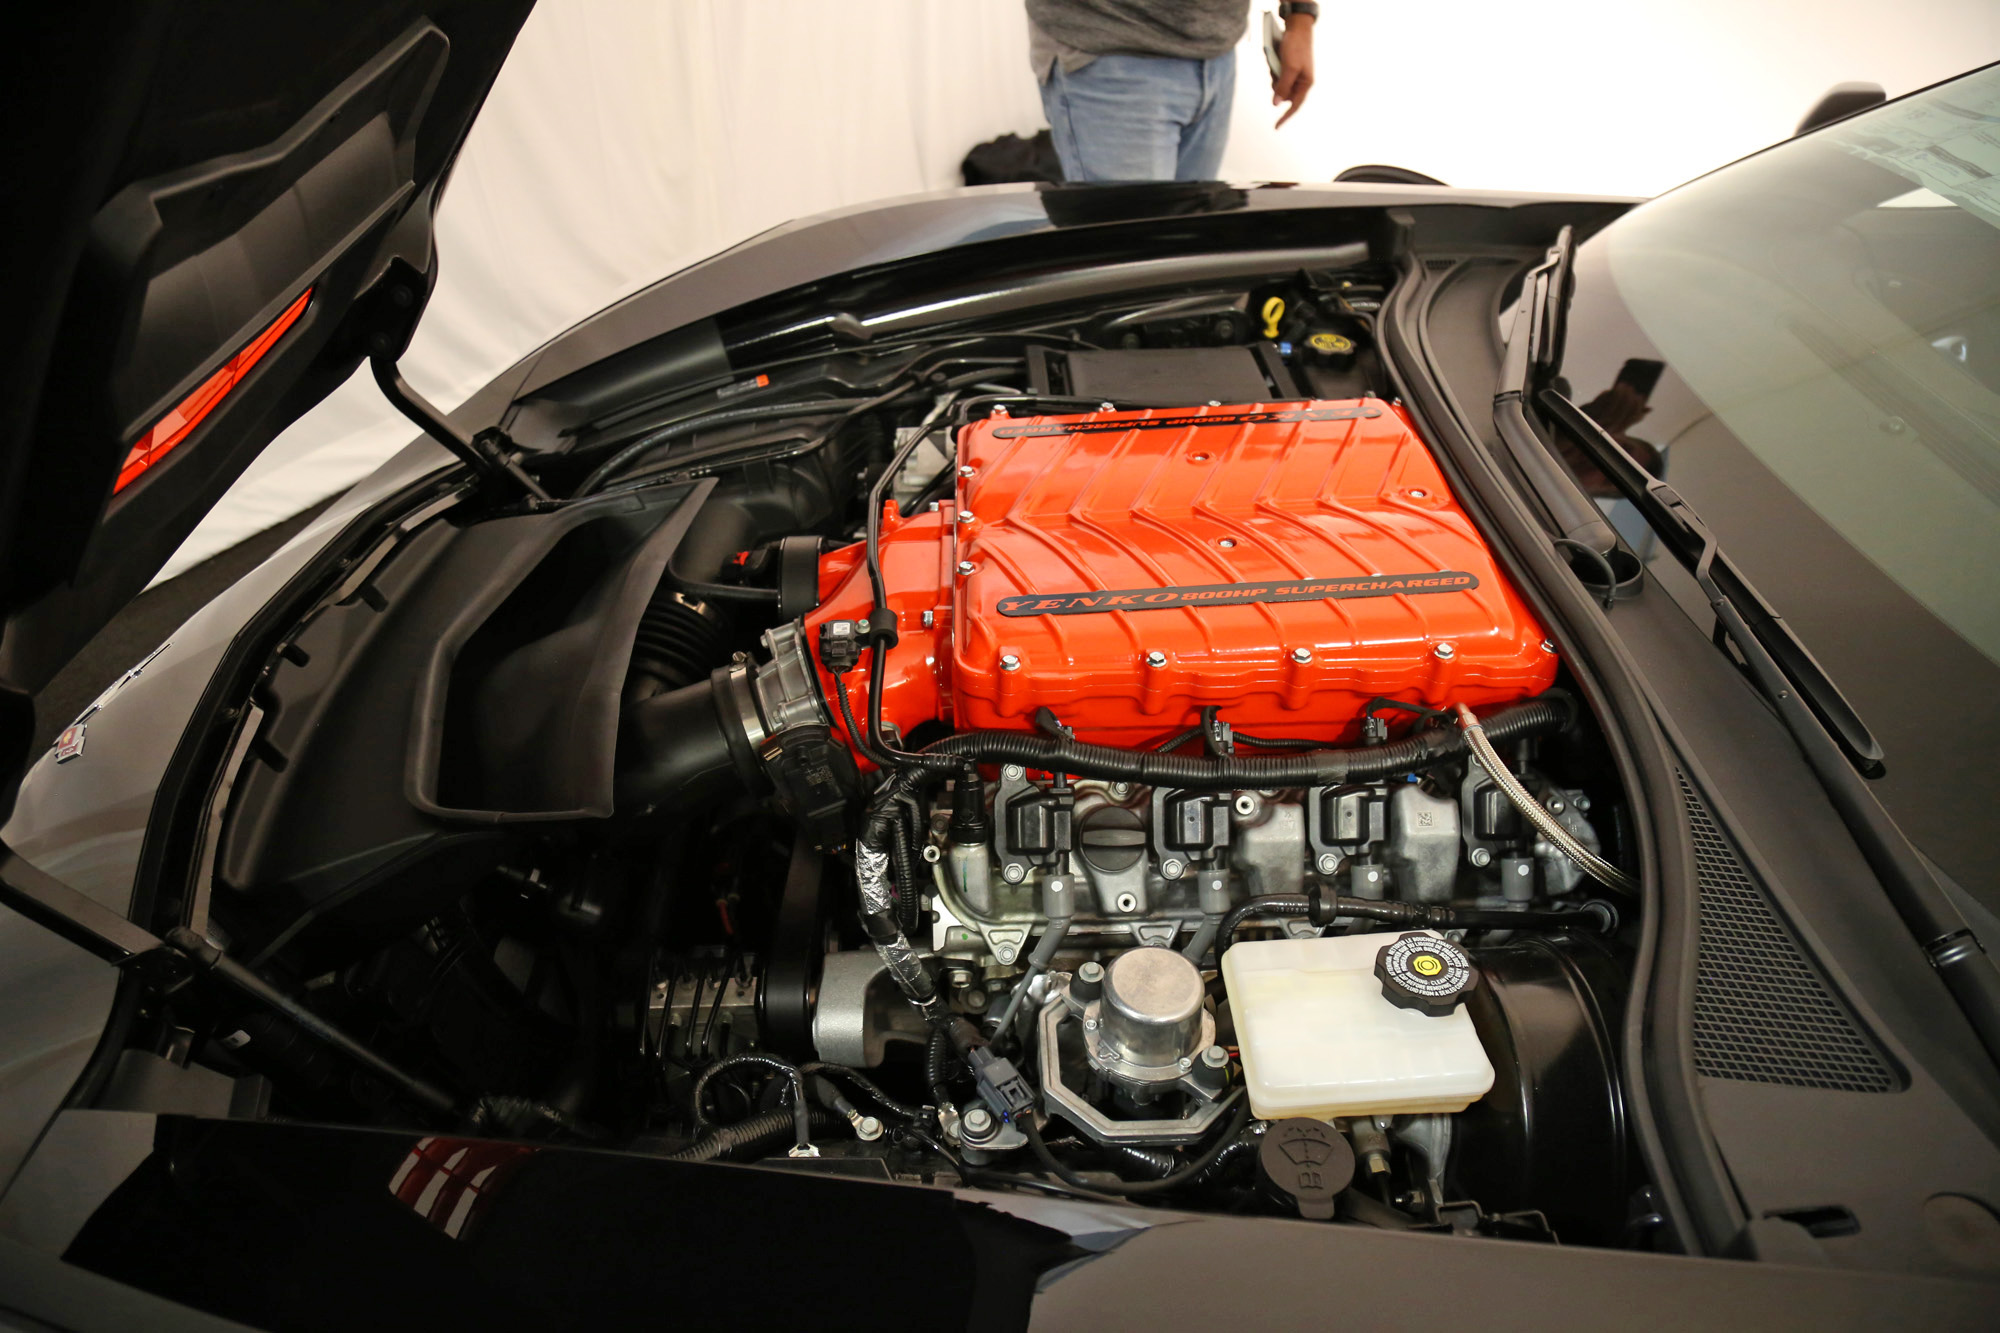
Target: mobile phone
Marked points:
1271	32
1642	374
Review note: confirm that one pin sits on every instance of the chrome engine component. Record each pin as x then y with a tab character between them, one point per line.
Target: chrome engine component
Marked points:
1128	1052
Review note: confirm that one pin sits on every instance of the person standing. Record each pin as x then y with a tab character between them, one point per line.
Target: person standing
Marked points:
1139	90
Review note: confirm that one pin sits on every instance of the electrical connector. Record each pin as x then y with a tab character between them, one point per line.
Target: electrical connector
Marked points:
839	646
1001	1085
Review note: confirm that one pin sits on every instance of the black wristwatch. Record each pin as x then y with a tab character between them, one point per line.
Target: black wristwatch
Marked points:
1307	7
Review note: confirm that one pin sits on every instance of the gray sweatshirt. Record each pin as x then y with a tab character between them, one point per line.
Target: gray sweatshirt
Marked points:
1078	31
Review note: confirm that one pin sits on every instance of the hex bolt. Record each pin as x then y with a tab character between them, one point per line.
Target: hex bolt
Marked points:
1090	1025
1479	856
1215	1057
1156	658
1186	1064
1121	791
932	854
1014	873
965	516
966	567
1172	868
930	619
1327	863
976	1123
1525	868
867	1129
1013	772
1004	953
1302	655
1009	662
967	470
1444	652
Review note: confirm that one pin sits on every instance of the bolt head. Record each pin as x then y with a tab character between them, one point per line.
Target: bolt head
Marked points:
1302	655
1091	971
1005	953
1121	791
930	619
1009	662
1328	863
1416	494
1186	1064
1215	1057
965	516
978	1120
1479	856
1556	806
1227	543
1444	652
1013	773
1548	645
1171	868
968	471
1156	658
1524	869
966	566
868	1129
1090	1025
1015	873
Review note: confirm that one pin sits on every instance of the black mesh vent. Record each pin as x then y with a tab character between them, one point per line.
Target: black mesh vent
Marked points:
1761	1012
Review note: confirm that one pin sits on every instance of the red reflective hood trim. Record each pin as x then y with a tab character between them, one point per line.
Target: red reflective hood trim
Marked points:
178	424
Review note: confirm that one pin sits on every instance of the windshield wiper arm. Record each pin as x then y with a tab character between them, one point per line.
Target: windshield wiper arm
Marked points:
1534	350
1831	736
1785	669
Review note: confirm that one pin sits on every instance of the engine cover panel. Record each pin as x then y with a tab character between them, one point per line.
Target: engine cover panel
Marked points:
1287	563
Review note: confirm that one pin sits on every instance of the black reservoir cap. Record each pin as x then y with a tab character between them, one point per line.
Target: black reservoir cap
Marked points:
1424	972
1306	1164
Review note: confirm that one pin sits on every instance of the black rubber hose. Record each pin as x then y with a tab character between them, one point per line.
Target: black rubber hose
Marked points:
1318	768
755	1132
689	425
1186	1175
1596	916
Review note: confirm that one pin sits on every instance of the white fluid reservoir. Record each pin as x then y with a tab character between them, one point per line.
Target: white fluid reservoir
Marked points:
1319	1039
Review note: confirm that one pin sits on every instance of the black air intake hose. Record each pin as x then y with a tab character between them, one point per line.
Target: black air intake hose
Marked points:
680	640
688	745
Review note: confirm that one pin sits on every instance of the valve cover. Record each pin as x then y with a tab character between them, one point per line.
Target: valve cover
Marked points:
1287	563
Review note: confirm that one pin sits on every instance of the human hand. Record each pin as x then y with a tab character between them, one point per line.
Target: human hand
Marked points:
1294	78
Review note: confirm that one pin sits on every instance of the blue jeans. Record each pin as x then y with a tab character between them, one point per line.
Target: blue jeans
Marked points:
1141	118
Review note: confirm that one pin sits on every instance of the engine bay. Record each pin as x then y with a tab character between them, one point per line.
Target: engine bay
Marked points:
1098	755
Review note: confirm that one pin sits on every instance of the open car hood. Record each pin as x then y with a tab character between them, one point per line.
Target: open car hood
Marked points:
208	192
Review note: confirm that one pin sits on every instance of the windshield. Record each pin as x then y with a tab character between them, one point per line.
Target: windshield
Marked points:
1807	345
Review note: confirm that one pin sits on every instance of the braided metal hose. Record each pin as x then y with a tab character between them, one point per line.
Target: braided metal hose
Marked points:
1536	813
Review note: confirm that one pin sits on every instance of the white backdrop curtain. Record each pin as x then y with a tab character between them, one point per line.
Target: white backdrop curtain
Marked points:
628	138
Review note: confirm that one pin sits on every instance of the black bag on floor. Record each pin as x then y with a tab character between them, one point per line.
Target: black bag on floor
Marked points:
1011	158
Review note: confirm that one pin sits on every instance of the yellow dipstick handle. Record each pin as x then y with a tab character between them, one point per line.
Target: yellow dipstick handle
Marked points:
1274	310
